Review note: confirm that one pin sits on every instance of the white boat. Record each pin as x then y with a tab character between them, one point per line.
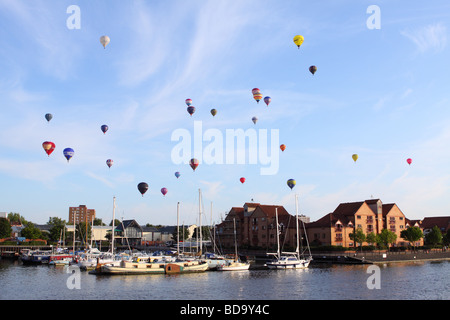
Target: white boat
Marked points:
289	260
235	265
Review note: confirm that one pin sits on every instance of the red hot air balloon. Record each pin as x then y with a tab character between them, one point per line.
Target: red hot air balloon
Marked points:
255	90
283	147
48	147
193	163
188	102
242	180
164	191
409	161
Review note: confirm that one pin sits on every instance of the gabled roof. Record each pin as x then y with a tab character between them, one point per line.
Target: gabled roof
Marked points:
385	208
127	223
348	209
269	210
441	222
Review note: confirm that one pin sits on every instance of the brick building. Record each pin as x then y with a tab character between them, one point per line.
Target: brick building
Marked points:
81	214
371	216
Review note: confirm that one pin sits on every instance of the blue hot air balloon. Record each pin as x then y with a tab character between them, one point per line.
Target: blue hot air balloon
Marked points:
48	116
104	128
291	183
177	174
68	153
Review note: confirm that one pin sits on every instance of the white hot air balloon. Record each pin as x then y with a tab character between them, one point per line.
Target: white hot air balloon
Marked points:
104	40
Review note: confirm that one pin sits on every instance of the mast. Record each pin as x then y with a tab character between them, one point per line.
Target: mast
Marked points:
200	218
114	217
235	241
296	224
278	233
178	228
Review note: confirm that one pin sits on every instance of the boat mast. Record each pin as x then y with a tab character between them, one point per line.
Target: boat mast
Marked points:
114	217
296	223
178	228
235	241
200	218
278	234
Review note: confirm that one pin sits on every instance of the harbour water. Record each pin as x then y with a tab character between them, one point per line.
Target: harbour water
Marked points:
420	280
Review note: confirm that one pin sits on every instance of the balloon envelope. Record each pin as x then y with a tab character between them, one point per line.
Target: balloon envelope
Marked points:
164	191
142	187
104	40
177	174
283	147
254	119
188	102
257	97
409	161
48	116
255	90
313	69
298	40
355	157
291	183
242	180
193	163
213	112
191	110
48	147
109	163
68	153
267	100
104	128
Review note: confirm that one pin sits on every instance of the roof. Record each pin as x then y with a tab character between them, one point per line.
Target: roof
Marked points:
348	209
328	220
126	224
269	210
441	222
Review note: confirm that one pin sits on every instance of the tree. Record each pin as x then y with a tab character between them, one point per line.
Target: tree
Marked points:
386	237
31	231
57	228
16	217
434	237
371	238
412	235
358	237
5	228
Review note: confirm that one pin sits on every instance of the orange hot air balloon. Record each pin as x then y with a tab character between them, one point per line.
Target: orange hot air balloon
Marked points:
242	180
257	97
49	147
283	147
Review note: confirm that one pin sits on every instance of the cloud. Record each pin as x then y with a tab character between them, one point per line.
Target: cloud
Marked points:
429	38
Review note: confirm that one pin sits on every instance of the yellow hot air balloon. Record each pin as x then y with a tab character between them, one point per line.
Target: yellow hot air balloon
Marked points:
355	157
104	40
298	40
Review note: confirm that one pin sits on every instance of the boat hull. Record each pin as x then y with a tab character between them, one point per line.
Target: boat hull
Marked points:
127	268
234	267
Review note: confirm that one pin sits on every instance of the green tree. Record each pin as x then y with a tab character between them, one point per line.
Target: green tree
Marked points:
5	228
31	231
386	238
56	231
434	237
412	235
16	217
371	238
358	237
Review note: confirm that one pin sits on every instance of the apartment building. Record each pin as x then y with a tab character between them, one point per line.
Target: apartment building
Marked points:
81	214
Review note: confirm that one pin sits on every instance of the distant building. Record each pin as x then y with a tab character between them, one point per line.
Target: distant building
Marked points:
3	215
443	223
81	214
129	232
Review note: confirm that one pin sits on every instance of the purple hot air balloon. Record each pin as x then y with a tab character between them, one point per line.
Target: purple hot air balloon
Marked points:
164	191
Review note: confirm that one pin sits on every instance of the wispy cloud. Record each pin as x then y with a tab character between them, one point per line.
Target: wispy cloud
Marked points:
429	38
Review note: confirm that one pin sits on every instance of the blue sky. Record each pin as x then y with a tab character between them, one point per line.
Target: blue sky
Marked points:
379	93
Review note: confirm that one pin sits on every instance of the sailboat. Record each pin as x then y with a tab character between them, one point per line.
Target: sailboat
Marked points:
235	265
289	260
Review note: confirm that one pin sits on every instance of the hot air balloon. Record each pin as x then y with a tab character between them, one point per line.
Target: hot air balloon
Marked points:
257	97
48	147
355	157
298	40
313	69
213	112
409	160
109	163
48	116
164	191
254	119
104	128
291	183
177	174
104	40
193	163
188	102
191	110
283	147
68	153
255	90
242	180
267	100
142	187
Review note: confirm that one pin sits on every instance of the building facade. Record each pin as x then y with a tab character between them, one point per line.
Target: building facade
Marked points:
370	216
81	214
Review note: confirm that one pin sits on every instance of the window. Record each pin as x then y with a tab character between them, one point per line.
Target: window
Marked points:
358	217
